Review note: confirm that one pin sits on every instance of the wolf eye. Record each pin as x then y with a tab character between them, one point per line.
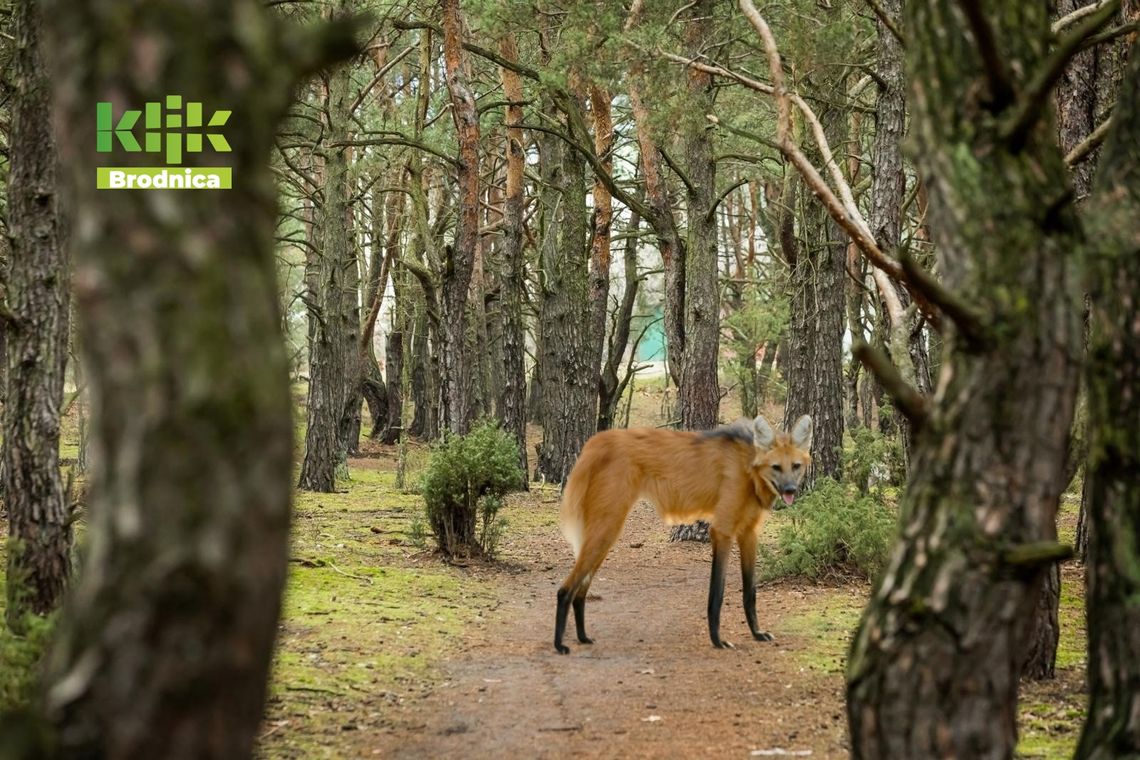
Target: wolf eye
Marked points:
777	468
796	466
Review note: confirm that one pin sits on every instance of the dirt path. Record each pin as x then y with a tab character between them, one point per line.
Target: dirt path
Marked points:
652	686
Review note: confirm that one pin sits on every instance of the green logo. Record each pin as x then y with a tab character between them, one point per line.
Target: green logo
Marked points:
182	130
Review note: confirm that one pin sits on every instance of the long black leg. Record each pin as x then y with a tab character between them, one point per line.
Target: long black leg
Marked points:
747	544
748	576
580	617
563	609
716	588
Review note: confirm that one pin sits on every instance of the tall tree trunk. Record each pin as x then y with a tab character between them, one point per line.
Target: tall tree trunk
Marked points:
332	321
459	258
1112	728
164	646
814	371
934	666
569	384
699	390
512	398
39	529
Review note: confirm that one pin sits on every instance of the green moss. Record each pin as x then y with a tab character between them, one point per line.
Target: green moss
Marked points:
1048	730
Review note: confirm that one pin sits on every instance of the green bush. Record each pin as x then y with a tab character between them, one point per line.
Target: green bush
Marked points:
872	460
833	533
463	489
20	657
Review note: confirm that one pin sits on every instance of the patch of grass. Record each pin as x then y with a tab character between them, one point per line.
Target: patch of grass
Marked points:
827	629
1048	730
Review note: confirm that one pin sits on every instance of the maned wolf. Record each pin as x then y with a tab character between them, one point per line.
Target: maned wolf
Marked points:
730	477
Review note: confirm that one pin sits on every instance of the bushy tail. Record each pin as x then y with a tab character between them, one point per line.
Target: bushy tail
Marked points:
571	516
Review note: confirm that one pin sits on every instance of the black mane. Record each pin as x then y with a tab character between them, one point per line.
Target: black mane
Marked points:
741	431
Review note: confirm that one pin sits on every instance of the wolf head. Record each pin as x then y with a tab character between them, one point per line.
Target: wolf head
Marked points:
781	458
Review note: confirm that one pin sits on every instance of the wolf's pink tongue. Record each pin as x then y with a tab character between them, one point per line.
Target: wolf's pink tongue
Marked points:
789	498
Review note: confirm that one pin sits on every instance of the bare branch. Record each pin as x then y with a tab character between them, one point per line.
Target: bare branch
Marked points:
970	323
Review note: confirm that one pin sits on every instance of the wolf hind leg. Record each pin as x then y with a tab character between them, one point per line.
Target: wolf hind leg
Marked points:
599	538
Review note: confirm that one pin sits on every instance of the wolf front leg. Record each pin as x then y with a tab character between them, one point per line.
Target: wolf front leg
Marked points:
747	544
721	544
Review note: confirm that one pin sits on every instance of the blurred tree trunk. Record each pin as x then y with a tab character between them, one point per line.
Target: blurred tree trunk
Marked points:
164	646
459	258
512	398
332	321
36	317
1112	728
934	666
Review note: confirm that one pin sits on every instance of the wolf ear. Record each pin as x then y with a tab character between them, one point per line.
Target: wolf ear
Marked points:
801	433
762	433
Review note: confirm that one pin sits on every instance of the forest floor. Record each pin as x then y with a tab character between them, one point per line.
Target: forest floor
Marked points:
385	650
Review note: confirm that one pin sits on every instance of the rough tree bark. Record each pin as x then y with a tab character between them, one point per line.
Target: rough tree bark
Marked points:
332	326
814	370
460	256
39	528
569	383
698	390
164	646
934	666
1112	728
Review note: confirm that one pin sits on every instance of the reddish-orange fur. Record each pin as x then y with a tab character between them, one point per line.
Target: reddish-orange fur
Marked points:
724	479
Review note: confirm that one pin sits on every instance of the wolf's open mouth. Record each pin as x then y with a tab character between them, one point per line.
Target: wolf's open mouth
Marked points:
789	498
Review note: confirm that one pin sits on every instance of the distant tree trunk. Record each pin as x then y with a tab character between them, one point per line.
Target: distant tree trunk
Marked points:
669	240
977	516
512	398
599	275
569	383
1112	728
611	389
39	528
164	646
332	321
902	337
459	259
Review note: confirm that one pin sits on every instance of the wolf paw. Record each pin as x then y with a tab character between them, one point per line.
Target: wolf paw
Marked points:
562	648
724	645
585	640
763	636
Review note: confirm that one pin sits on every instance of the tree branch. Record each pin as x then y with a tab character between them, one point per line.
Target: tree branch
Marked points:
1089	144
888	22
1033	99
968	320
913	405
1001	87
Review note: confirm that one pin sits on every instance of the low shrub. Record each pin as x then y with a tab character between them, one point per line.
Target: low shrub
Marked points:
833	532
872	460
463	487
